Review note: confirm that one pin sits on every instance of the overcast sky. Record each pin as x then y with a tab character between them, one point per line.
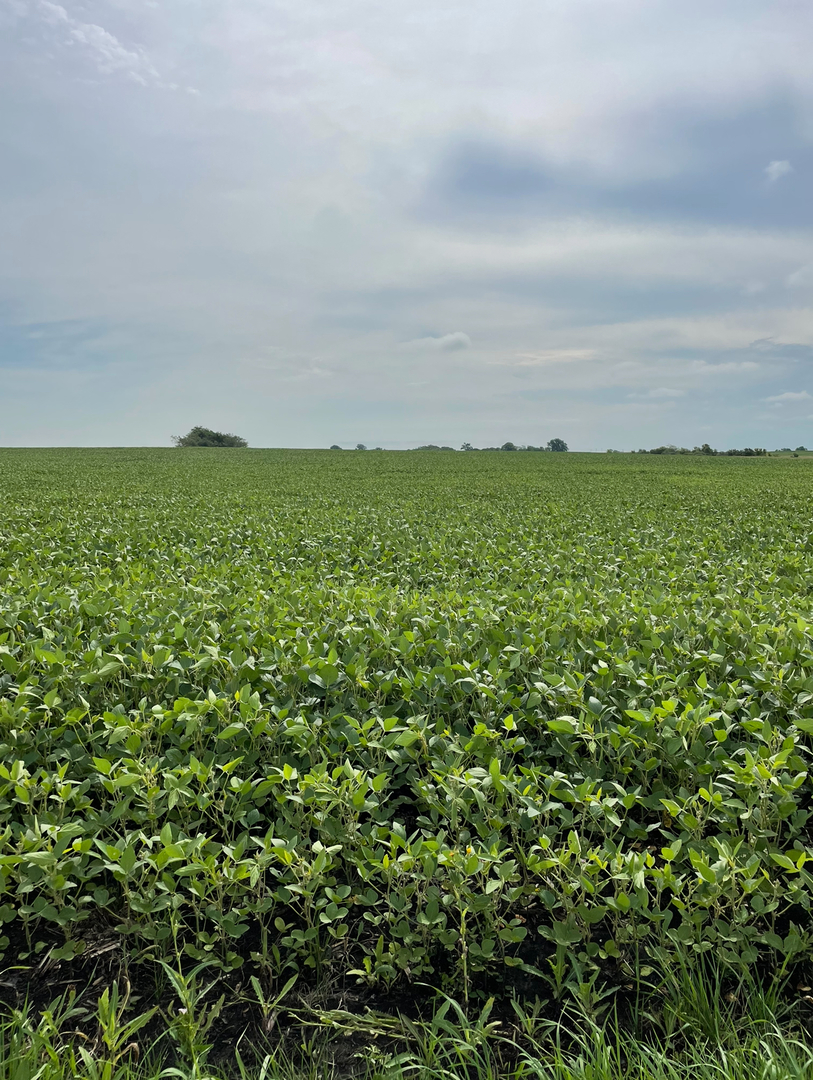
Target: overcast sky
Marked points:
318	221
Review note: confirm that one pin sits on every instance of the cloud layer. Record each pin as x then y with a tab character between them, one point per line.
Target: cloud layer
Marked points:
348	223
443	343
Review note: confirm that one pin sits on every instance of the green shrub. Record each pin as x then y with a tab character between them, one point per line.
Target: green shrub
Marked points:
202	436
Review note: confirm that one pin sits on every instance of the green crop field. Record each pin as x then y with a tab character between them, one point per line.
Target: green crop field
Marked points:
330	735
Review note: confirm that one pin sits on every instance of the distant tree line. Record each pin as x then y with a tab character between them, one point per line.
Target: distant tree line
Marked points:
554	445
706	450
557	446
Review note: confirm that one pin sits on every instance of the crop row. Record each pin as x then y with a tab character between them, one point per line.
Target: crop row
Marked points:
450	722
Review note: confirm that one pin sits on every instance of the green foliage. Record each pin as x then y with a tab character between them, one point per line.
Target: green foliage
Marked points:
698	1027
520	722
554	444
706	450
202	436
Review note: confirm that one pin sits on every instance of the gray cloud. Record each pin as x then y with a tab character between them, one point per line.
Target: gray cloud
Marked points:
598	194
687	164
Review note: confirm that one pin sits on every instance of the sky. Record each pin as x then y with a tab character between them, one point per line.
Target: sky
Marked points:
338	221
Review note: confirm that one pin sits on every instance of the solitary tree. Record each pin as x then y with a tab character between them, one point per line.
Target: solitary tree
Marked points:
360	446
559	446
335	446
202	436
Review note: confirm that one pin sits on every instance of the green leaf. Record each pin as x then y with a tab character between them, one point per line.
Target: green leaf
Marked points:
231	730
784	861
407	738
565	725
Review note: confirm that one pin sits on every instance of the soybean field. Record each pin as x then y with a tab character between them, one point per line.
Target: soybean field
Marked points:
338	732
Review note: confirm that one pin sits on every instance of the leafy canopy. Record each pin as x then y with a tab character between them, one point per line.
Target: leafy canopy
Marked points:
505	722
203	436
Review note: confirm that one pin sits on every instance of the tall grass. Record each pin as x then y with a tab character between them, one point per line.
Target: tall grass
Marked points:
694	1025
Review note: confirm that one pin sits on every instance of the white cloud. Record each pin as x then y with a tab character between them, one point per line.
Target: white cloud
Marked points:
54	13
547	357
790	395
106	50
581	77
777	169
445	343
